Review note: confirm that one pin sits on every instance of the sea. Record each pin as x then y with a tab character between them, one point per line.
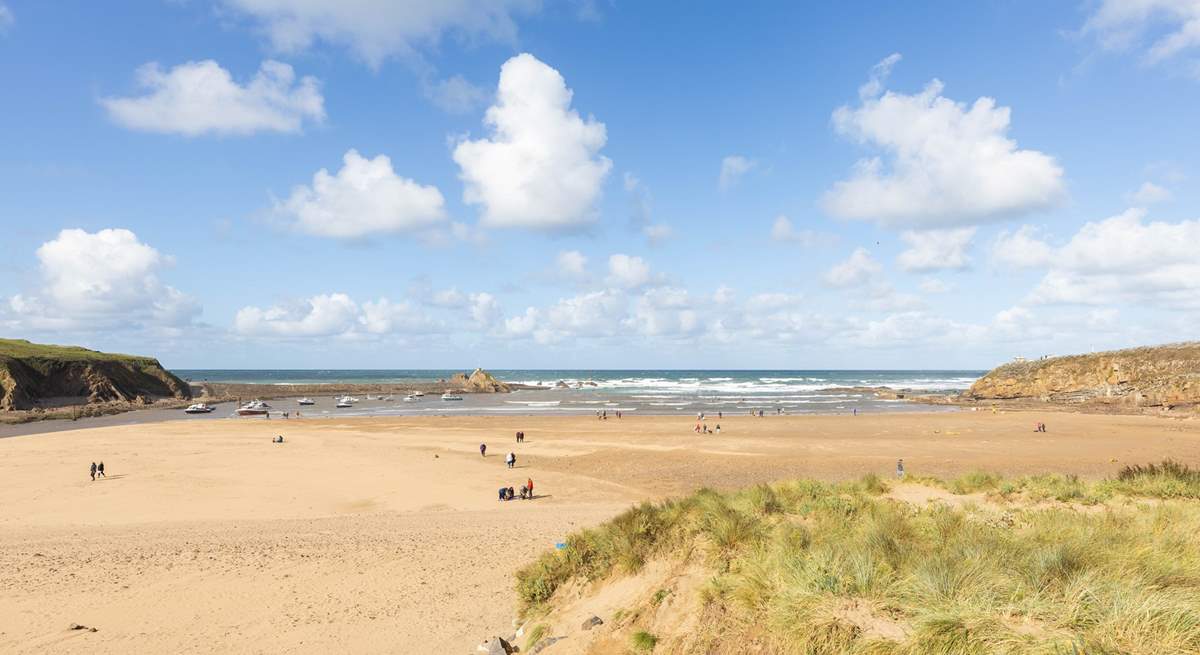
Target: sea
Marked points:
711	392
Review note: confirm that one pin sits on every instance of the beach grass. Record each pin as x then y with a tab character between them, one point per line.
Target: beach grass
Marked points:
1047	564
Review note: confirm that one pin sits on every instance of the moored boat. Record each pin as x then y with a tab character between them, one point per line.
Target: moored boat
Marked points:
254	408
451	396
199	408
306	401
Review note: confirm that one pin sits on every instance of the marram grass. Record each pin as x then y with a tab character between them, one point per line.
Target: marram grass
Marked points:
1110	567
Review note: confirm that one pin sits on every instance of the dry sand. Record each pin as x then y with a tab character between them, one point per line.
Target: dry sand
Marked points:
385	535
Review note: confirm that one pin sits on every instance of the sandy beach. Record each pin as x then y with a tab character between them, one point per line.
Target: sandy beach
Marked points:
385	535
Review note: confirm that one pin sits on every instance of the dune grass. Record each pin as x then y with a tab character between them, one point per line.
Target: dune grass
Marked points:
643	641
796	566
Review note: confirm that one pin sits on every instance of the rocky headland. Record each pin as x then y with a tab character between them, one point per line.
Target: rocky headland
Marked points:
41	378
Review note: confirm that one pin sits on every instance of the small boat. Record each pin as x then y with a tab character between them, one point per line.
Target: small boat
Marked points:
253	408
306	401
388	399
199	408
411	398
418	394
451	396
344	402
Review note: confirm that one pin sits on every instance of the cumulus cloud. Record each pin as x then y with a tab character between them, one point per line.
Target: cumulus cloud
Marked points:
201	97
1126	259
571	265
1150	194
783	231
665	311
1023	248
932	250
933	285
331	315
541	167
944	164
733	168
484	309
378	29
857	270
365	197
627	272
103	279
455	95
1122	24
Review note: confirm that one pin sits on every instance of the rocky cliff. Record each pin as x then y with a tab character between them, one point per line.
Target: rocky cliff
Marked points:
35	375
1156	376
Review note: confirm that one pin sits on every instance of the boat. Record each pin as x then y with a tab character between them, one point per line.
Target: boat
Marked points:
199	408
306	401
388	399
410	398
344	402
451	396
418	394
254	408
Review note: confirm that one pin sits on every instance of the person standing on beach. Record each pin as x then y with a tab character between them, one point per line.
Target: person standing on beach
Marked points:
511	460
100	470
900	469
529	485
483	450
93	471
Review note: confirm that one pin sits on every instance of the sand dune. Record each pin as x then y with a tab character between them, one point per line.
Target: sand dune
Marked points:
376	535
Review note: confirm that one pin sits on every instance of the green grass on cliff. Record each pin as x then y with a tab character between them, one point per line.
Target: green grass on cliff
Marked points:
21	349
813	567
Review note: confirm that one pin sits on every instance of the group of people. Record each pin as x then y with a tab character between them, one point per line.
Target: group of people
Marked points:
1039	427
602	414
526	493
702	428
277	439
97	471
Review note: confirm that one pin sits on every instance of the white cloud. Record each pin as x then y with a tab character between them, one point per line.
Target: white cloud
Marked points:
598	313
200	97
1150	194
1021	249
377	29
331	315
628	272
857	270
571	264
106	279
364	197
484	309
456	95
733	168
6	18
783	231
451	297
934	285
946	164
1126	259
541	168
1121	24
932	250
773	301
641	214
665	312
878	77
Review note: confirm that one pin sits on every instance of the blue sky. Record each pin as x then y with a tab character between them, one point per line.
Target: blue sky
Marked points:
522	184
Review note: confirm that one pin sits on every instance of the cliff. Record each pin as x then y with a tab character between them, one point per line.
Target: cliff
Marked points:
1156	376
35	375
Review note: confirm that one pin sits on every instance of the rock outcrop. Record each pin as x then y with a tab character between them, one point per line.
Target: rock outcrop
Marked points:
479	381
34	375
1156	376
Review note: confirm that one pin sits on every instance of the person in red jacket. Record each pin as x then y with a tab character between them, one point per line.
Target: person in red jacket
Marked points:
529	485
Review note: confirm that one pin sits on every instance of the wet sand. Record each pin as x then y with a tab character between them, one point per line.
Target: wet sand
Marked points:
385	535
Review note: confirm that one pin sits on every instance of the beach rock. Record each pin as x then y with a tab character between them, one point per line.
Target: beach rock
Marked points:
561	385
480	381
592	622
498	646
1157	376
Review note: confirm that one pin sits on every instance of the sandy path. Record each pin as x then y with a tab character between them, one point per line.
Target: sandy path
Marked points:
384	535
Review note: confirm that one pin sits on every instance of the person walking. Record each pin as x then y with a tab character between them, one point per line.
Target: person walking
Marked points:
93	471
483	450
511	460
100	470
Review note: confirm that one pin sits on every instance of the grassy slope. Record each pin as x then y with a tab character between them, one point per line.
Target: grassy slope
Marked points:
1047	564
21	349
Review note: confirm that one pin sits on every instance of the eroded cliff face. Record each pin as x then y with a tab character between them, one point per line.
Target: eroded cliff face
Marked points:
479	381
29	382
1155	376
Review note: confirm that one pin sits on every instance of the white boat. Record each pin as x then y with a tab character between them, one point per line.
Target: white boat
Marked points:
388	399
344	402
253	408
418	394
306	401
199	408
451	396
411	398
